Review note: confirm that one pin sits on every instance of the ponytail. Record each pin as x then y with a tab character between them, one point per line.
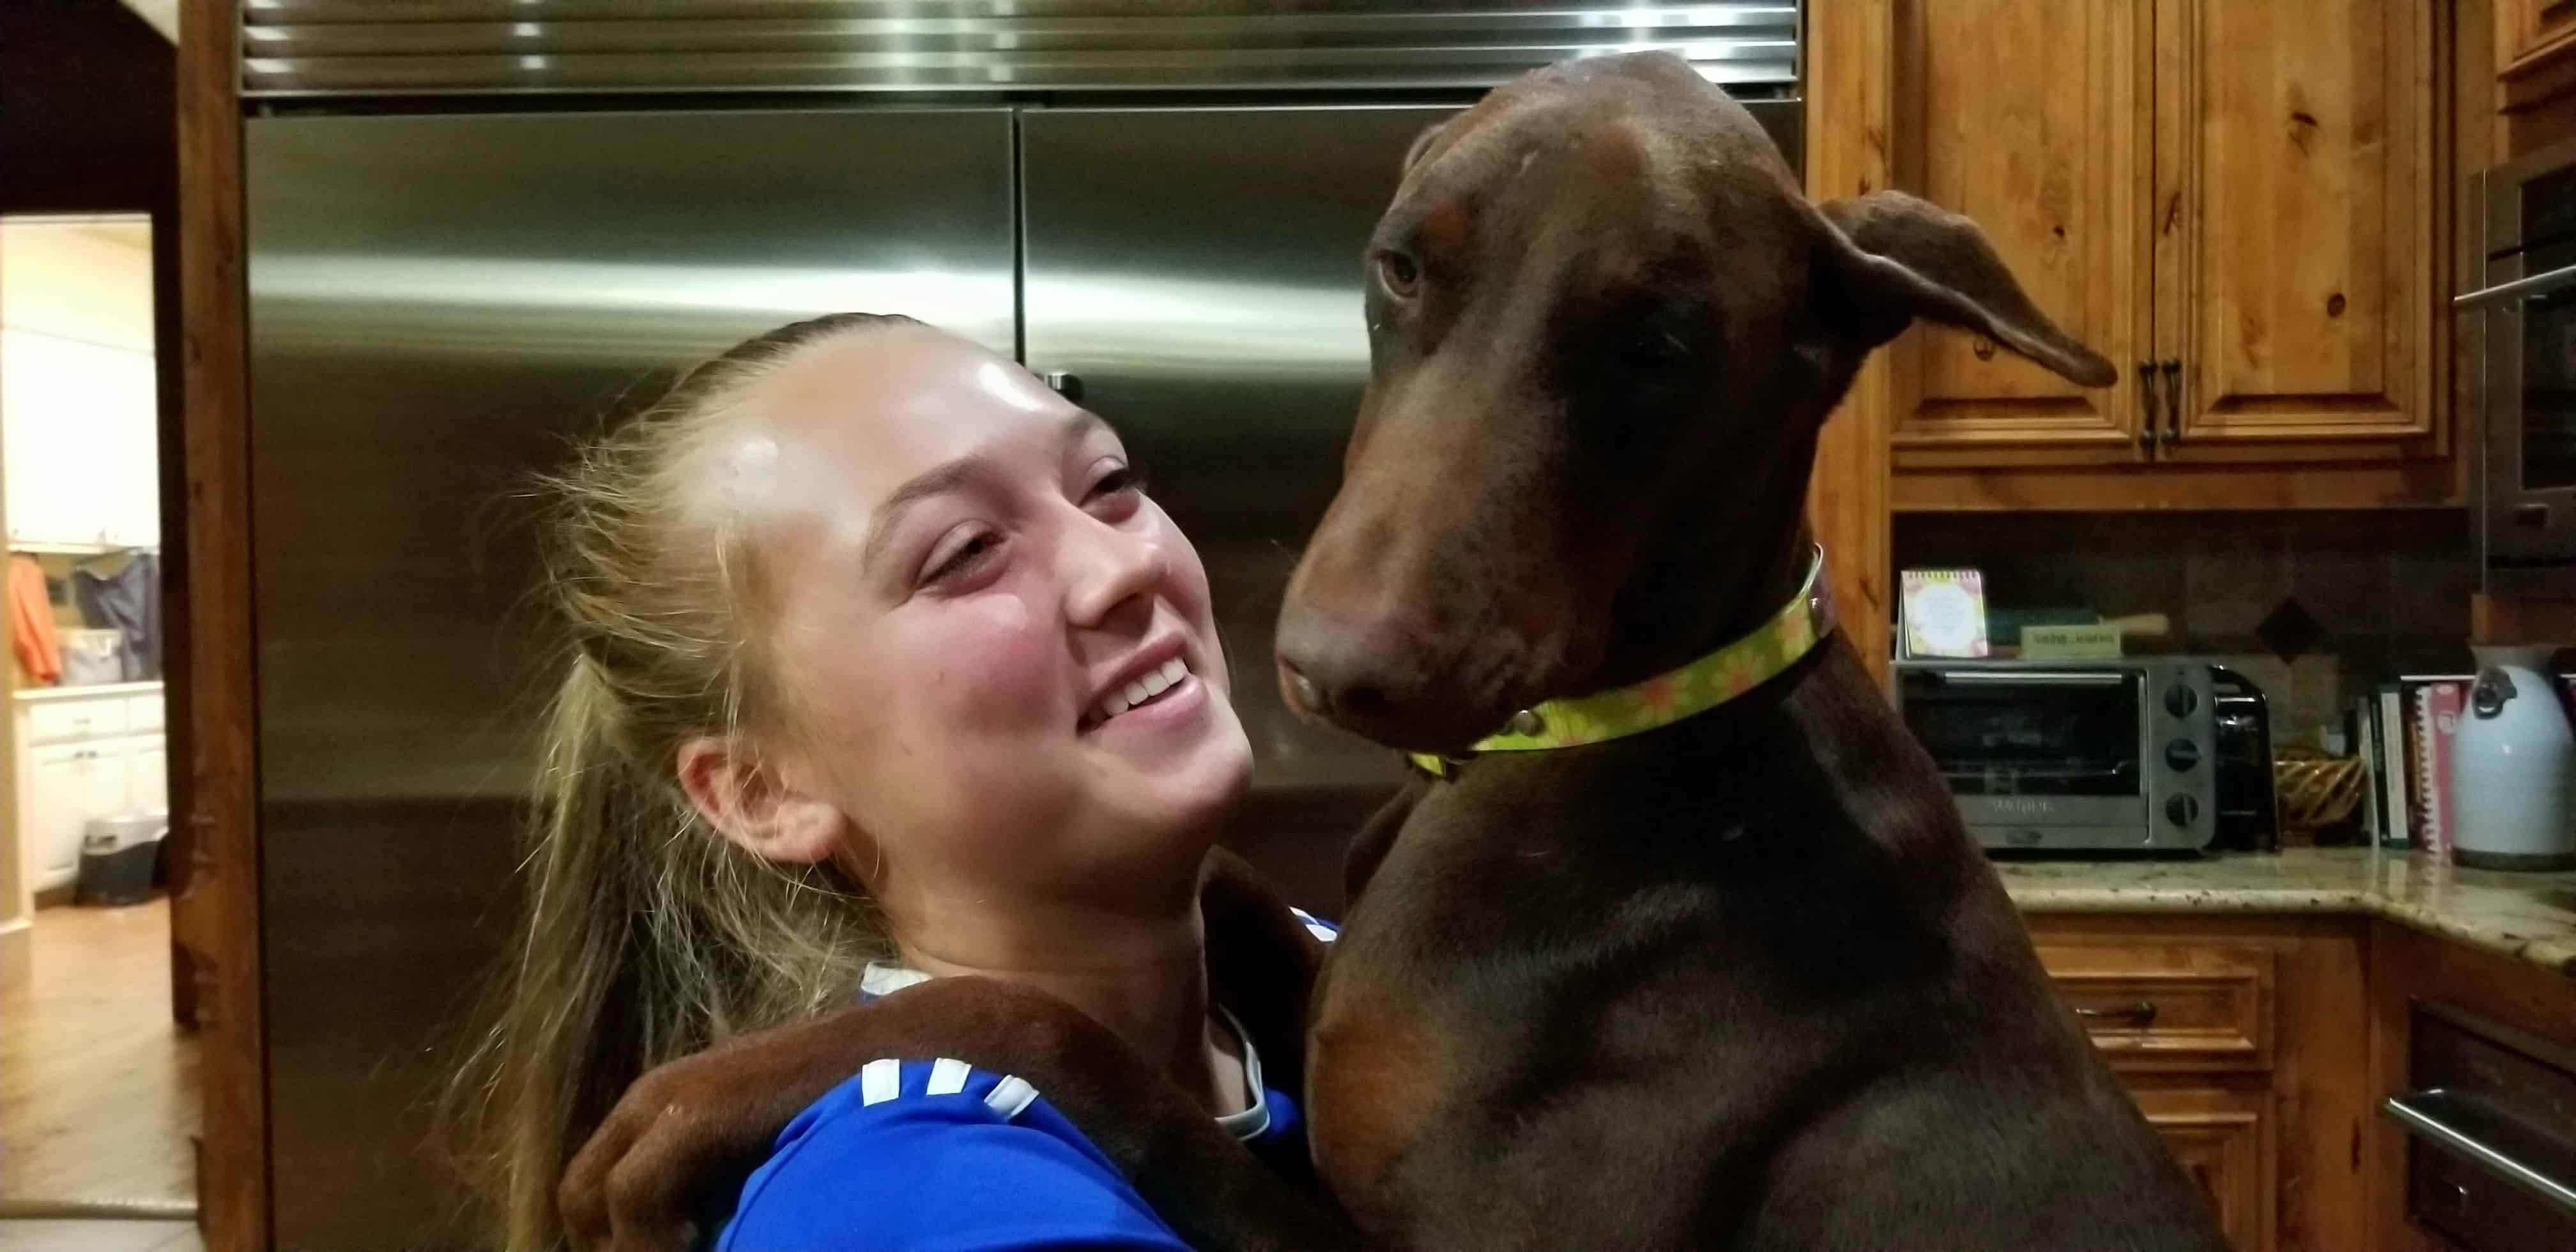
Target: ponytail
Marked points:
643	936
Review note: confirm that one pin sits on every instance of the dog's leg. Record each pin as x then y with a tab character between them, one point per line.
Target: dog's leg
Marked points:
630	1184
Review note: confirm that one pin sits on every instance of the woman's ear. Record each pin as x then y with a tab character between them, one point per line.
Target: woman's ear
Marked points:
745	798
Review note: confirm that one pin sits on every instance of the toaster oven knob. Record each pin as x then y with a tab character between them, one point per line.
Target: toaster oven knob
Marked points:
2182	810
2180	700
2181	755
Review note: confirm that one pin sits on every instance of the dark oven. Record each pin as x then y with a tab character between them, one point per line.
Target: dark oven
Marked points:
2523	321
2491	1124
2143	755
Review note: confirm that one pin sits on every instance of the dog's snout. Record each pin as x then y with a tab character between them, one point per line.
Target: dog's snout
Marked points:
1325	670
1371	678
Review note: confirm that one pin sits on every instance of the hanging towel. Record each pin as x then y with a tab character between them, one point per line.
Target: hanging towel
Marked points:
31	622
130	601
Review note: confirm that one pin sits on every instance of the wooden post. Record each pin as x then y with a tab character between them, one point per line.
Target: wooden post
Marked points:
222	884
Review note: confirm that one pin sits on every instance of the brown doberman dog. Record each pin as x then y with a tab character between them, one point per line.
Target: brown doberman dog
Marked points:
1738	981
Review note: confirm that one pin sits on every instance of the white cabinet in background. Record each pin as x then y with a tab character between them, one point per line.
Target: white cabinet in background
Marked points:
84	754
80	421
147	774
53	805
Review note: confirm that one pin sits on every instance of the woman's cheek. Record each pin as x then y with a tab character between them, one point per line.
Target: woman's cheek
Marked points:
990	664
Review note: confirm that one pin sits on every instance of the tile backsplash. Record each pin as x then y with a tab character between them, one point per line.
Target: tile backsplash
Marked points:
2385	591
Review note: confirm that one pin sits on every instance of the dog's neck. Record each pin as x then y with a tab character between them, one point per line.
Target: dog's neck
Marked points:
1696	598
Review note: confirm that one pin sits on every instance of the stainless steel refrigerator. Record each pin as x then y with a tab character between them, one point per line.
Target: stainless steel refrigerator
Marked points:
442	296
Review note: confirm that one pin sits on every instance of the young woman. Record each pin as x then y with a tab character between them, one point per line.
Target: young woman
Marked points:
885	668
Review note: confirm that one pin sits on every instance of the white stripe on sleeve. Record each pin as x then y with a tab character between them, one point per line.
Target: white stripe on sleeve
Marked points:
880	1081
947	1076
1011	1096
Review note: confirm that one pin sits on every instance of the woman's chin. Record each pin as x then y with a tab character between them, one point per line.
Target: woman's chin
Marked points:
1193	788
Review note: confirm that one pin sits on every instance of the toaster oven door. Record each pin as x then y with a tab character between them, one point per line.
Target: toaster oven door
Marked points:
2067	758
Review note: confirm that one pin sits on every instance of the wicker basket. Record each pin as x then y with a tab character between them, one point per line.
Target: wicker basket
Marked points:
2316	790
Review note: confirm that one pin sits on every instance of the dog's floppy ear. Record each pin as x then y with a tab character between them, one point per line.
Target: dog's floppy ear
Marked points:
1890	258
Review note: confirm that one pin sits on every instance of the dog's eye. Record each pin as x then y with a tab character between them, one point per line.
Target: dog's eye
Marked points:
1399	272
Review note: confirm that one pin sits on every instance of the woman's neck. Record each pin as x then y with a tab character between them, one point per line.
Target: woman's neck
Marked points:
1142	977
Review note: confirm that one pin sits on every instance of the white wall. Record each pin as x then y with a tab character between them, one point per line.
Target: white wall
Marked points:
79	280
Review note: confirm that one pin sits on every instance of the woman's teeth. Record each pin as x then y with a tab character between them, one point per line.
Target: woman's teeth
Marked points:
1143	689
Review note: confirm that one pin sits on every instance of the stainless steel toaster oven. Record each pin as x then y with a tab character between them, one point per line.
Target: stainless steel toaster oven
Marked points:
2141	755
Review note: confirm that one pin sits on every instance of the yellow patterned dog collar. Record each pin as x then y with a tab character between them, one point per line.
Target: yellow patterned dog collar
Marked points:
1666	698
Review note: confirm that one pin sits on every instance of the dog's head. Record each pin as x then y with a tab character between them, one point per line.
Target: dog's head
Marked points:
1604	326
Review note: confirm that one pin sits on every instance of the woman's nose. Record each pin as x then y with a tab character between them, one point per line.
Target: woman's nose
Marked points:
1108	567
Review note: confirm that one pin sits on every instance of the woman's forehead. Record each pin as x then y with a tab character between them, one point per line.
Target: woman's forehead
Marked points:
840	427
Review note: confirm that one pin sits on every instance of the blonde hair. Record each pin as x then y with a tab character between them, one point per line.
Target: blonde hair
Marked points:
643	935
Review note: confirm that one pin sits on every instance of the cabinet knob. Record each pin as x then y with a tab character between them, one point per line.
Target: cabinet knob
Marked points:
1065	383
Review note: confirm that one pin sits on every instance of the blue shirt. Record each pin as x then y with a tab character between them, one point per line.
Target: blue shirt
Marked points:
937	1156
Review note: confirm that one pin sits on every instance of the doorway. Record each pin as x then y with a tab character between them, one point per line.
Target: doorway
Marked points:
98	1081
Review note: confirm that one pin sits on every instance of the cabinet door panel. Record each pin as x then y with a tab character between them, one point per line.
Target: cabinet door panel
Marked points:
2295	231
105	780
2222	1138
57	791
147	782
2026	116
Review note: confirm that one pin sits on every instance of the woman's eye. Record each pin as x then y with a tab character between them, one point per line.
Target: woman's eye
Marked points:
964	557
1119	481
1401	274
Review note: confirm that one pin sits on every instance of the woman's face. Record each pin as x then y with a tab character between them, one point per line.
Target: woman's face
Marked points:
996	652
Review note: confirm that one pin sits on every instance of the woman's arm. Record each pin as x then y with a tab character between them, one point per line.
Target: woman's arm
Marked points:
930	1156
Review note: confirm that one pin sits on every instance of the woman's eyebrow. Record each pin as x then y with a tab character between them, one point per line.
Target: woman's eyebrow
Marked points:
950	477
937	481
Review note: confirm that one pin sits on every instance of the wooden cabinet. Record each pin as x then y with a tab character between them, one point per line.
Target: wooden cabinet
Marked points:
2535	63
2244	1042
2245	207
2295	249
2222	1138
2049	154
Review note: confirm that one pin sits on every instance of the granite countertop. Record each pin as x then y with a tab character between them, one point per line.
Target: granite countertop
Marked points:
2528	916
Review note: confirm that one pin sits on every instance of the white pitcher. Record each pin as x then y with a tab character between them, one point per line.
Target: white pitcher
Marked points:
2513	767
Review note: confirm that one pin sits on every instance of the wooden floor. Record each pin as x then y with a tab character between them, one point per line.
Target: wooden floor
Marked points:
98	1089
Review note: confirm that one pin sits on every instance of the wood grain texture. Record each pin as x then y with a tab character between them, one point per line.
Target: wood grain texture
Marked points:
2532	36
2531	52
2392	484
2212	1002
2301	220
2512	620
2223	1136
1850	63
2029	117
2282	1142
2407	965
2286	177
98	1088
223	878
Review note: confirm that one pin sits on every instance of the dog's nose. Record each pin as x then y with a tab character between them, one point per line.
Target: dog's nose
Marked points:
1303	695
1337	702
1361	678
